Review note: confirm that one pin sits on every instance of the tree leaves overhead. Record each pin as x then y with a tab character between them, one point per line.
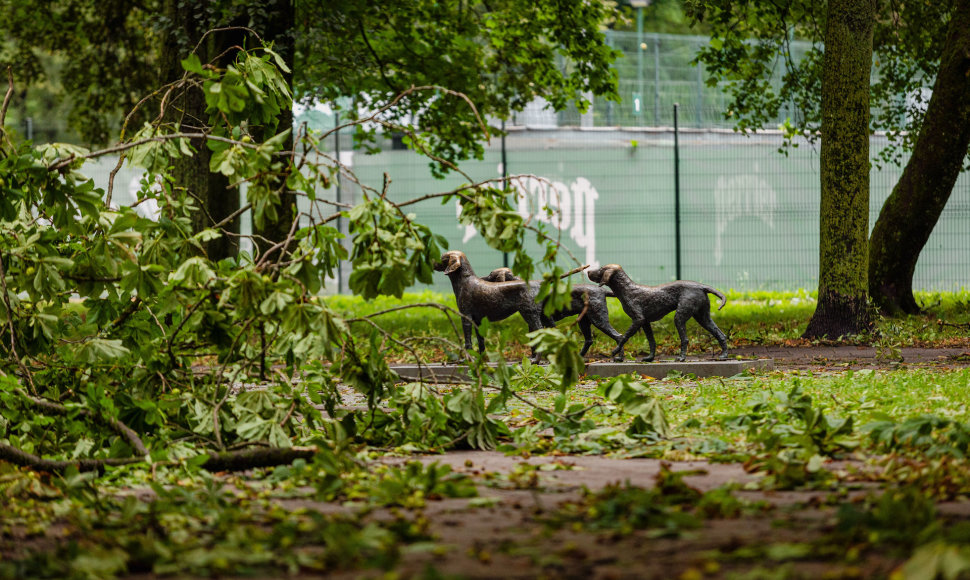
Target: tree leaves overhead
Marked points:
102	52
752	41
502	55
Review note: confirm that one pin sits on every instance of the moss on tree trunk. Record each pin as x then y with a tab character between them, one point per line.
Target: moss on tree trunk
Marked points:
909	215
844	220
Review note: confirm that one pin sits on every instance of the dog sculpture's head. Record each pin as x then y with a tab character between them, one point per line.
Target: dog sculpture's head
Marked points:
450	261
501	275
603	274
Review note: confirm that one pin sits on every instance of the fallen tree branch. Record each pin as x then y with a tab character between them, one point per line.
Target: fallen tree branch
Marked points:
574	271
3	109
252	458
239	460
24	459
953	324
117	426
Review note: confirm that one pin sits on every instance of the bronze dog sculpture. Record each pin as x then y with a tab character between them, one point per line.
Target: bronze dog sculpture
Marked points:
479	299
646	304
596	314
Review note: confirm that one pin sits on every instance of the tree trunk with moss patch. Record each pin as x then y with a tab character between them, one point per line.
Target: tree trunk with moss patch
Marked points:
909	215
843	291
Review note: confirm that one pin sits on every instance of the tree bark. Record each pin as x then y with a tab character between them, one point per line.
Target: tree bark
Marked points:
239	460
909	215
844	221
211	190
279	26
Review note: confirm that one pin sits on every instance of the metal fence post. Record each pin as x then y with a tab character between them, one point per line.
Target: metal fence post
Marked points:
336	146
656	81
700	96
676	194
609	103
505	183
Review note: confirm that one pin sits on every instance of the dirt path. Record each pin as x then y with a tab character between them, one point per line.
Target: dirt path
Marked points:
510	536
855	357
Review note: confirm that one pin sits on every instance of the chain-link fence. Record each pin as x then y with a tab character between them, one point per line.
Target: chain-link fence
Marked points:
748	215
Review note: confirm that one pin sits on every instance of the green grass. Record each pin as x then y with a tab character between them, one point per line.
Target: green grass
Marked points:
749	317
699	411
867	396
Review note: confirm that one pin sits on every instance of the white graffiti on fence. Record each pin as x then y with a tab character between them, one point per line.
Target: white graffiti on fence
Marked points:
569	208
739	196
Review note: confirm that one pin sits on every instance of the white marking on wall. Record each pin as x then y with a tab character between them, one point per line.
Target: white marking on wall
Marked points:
571	209
740	196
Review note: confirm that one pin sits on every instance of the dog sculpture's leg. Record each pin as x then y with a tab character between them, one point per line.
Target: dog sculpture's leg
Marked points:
648	330
618	351
586	329
600	319
481	339
704	319
680	321
466	328
534	320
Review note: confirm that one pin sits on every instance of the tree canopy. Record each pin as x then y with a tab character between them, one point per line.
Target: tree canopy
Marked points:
501	55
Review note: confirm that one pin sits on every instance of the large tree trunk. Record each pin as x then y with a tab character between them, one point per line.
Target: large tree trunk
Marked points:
280	23
210	189
909	215
844	222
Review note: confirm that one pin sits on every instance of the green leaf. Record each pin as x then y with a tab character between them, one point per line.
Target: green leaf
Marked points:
101	350
192	64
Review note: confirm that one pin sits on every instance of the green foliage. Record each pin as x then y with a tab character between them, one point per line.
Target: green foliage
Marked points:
391	252
668	509
904	517
794	437
649	419
555	52
125	322
925	435
203	529
748	41
411	485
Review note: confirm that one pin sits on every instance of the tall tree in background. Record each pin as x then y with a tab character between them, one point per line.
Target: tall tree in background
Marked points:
909	215
843	288
100	55
216	30
501	54
913	43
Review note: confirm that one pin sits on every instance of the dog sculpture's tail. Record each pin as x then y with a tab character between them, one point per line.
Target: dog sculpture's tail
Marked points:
717	293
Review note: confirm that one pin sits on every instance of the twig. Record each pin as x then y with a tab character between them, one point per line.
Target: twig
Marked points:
574	271
6	104
117	426
13	334
448	311
65	161
216	408
227	29
171	339
953	324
